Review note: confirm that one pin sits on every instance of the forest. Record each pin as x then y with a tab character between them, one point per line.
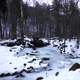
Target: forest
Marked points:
18	19
40	42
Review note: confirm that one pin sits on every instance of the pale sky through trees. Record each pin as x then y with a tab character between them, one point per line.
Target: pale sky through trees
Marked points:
30	2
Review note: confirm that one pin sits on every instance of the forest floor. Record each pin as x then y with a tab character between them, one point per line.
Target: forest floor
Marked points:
46	62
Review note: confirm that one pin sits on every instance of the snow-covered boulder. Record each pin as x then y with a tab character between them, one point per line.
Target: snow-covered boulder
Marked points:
74	67
36	42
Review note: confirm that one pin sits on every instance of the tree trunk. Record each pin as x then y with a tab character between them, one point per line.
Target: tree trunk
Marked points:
21	21
0	28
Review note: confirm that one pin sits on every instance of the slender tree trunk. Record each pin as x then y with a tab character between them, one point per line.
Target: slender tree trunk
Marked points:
21	21
8	19
0	27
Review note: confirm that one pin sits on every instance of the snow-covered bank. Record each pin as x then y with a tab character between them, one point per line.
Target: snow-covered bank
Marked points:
10	62
47	61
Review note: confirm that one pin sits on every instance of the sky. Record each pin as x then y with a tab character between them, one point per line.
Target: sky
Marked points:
30	2
79	4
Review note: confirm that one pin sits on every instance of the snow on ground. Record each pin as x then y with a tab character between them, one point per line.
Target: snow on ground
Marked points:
9	59
13	59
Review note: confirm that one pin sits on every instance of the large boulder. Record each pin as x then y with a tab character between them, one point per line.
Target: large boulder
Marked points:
5	74
9	44
36	42
19	75
14	43
20	41
40	78
74	67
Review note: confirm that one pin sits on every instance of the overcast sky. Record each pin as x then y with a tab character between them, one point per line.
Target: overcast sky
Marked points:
30	2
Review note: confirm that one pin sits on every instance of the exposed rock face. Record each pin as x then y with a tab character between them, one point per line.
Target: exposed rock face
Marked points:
19	75
19	42
57	73
74	67
11	44
36	42
5	75
40	78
